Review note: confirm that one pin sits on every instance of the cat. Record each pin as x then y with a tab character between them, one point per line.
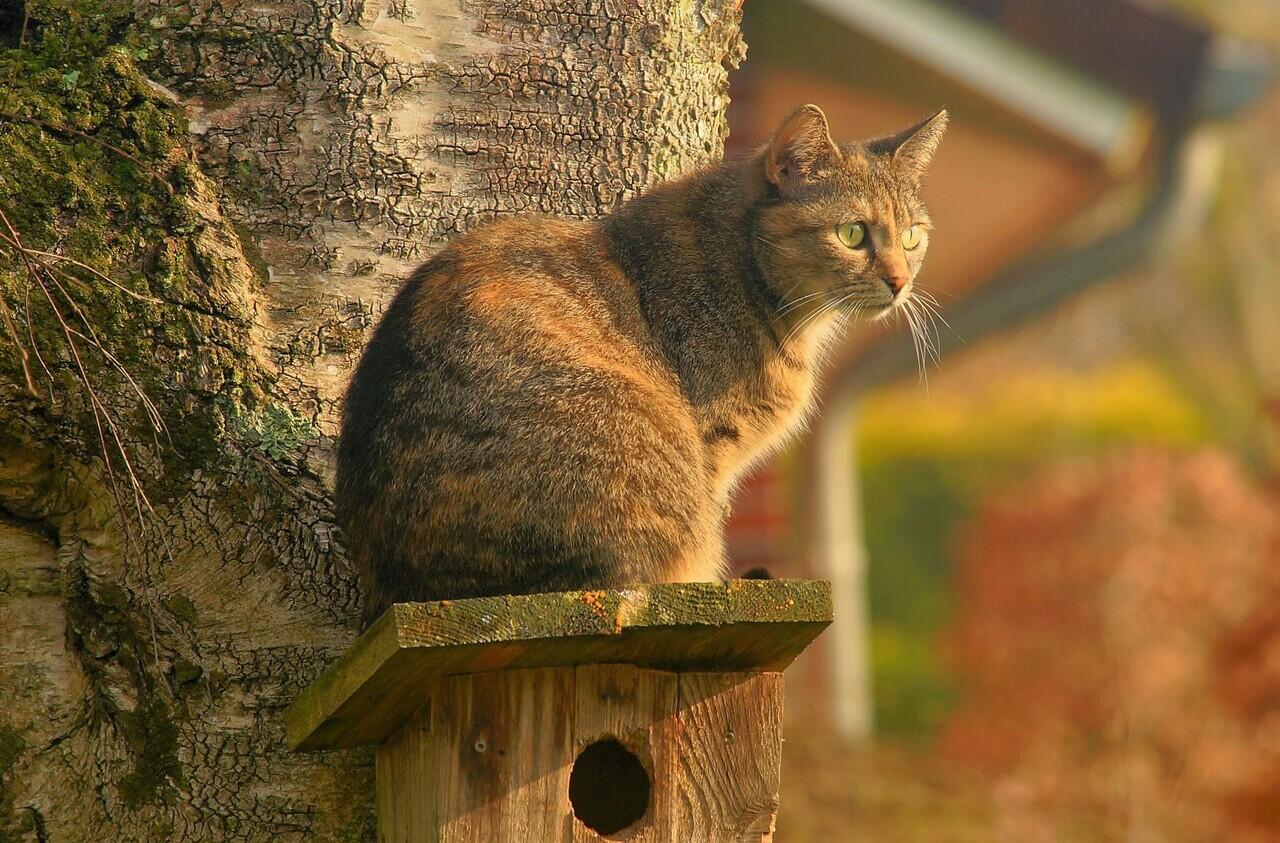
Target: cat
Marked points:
552	405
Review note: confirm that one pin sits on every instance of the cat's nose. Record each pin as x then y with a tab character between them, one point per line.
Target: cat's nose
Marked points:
895	283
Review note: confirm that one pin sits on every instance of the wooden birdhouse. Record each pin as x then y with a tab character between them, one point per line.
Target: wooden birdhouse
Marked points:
649	714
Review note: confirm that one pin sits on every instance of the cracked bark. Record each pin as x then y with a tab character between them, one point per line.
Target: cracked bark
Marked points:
334	144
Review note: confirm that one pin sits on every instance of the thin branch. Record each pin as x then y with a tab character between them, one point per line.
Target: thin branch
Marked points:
31	334
23	356
153	414
99	409
67	130
96	273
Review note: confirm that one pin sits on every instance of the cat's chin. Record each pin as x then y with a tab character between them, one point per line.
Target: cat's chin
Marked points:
885	310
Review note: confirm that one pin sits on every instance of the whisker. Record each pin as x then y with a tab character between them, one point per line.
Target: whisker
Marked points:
936	309
941	292
792	305
933	340
915	339
804	323
929	329
826	307
810	318
909	314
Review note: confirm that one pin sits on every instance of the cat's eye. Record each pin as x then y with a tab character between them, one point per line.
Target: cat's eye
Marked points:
911	237
851	234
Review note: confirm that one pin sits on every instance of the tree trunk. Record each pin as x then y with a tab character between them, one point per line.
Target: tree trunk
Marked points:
244	186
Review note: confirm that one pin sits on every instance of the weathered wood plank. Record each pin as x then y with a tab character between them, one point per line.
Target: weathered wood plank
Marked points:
730	753
742	625
483	759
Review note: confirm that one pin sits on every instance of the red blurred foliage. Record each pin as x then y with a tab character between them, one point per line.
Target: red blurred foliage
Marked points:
1118	642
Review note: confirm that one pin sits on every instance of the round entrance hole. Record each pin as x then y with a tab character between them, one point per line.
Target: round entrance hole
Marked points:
608	788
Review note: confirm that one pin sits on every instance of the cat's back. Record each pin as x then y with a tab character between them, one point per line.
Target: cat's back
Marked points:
519	267
501	327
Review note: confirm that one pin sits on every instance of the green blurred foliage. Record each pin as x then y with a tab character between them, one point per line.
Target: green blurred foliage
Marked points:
929	459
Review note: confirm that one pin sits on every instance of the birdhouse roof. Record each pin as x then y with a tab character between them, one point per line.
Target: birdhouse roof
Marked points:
741	625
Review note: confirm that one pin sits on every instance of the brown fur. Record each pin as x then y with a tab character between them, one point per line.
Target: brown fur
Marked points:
550	404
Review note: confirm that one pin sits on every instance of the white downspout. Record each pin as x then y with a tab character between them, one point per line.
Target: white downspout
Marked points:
842	557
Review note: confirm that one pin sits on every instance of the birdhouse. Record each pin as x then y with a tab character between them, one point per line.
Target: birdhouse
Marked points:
651	713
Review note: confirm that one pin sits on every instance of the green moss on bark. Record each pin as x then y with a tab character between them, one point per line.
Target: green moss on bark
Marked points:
96	168
181	607
108	627
144	277
152	737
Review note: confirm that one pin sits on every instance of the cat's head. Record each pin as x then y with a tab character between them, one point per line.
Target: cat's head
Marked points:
846	230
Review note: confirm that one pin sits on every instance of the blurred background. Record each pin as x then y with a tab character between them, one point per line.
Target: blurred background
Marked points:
1056	551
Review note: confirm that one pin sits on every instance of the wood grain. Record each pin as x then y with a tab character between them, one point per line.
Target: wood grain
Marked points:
484	759
482	706
730	751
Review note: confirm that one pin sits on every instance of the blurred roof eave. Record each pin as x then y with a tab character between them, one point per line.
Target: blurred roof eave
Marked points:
1052	95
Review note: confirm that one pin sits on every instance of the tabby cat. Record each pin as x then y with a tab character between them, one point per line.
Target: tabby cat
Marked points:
550	404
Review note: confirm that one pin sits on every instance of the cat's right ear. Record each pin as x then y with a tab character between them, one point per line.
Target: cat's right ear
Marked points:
801	149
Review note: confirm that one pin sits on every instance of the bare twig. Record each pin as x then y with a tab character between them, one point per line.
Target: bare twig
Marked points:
38	270
23	356
67	130
35	257
31	334
96	273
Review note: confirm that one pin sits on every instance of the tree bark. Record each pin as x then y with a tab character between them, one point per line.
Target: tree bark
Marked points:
246	185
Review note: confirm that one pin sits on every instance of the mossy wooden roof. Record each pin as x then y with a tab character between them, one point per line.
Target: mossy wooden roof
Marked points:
741	625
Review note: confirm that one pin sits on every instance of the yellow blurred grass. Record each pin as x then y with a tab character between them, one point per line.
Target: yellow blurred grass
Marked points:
1031	414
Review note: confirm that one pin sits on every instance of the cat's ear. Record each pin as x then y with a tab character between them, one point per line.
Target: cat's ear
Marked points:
912	149
801	148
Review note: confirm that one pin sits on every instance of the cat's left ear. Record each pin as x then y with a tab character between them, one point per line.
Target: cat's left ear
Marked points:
912	149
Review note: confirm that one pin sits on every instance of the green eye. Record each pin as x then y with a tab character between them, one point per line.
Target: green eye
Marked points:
911	237
851	234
